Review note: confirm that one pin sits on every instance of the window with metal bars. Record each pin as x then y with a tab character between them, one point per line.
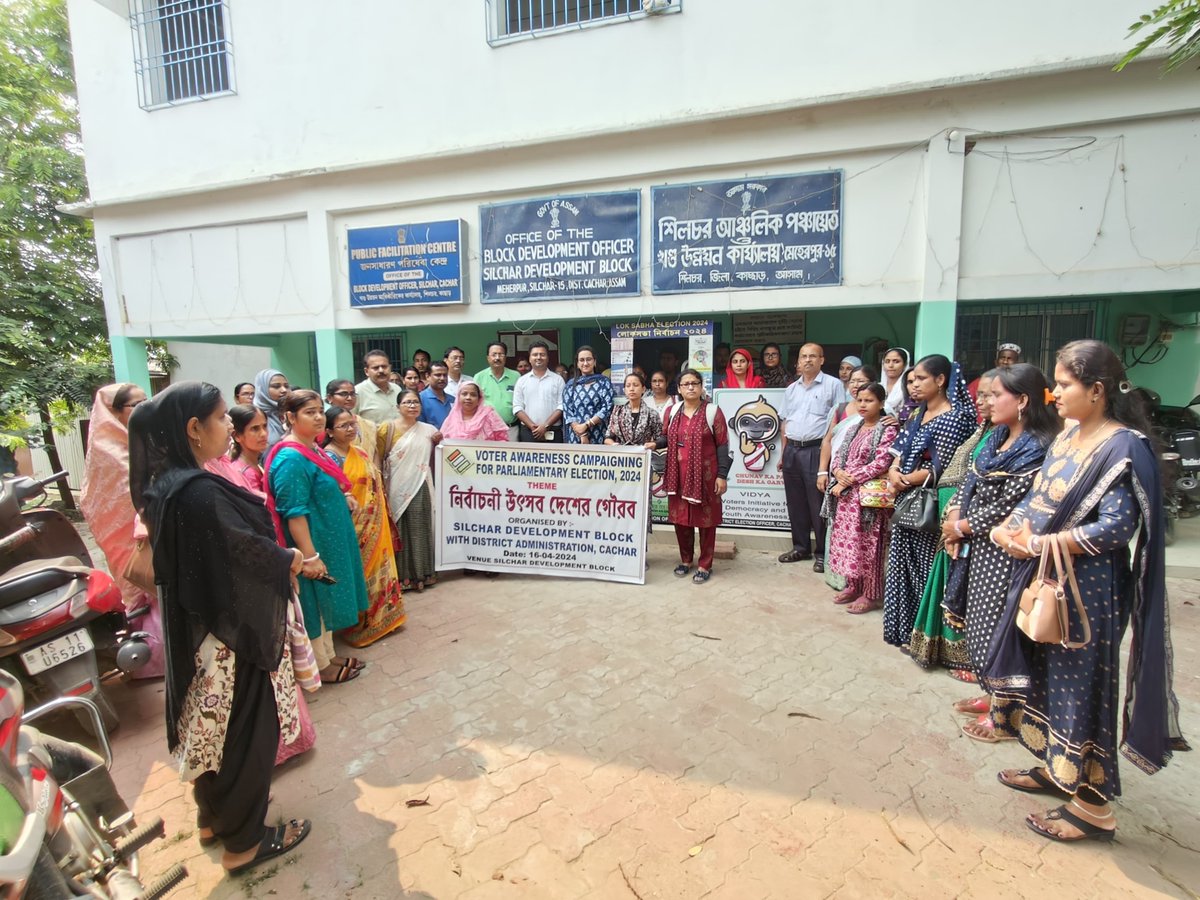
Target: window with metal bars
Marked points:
390	343
181	50
513	19
1040	329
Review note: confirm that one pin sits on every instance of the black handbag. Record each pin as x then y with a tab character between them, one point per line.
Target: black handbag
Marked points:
917	508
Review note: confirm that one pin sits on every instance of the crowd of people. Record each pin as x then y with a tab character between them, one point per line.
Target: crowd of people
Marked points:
910	493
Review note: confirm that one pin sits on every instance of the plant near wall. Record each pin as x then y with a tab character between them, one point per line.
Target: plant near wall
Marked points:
1175	24
53	335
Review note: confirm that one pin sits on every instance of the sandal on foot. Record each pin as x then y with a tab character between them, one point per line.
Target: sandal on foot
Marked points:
986	732
964	675
681	570
344	675
211	841
976	706
351	662
272	844
849	595
701	576
1090	831
1044	784
863	605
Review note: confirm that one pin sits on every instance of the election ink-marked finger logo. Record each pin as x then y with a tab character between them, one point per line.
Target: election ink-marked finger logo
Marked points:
457	460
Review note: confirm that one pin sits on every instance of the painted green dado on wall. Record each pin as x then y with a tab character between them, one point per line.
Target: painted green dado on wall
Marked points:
1176	377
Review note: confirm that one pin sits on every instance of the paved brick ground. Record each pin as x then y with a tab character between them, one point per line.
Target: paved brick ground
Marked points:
745	739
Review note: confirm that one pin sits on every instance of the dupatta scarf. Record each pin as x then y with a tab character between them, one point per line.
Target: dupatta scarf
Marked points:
406	463
1150	714
317	458
752	380
485	425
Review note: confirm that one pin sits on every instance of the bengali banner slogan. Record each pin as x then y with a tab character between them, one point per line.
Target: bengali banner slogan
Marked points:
575	512
736	235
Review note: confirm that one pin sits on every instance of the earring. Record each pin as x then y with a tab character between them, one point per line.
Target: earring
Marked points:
1020	412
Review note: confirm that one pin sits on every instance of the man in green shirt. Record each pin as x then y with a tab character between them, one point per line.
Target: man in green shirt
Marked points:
496	383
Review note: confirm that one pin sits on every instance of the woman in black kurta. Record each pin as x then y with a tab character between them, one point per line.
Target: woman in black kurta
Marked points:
225	586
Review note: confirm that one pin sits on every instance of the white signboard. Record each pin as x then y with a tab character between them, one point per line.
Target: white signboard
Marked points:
572	511
755	498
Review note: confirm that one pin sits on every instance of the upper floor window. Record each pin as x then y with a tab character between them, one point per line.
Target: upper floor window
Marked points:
181	50
510	20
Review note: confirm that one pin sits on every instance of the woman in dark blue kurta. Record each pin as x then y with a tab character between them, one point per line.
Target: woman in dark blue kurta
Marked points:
945	419
1098	482
587	401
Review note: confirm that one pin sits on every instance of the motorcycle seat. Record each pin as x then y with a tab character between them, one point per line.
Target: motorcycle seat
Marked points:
38	576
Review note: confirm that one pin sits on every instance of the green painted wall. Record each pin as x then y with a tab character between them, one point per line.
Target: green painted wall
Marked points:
1176	377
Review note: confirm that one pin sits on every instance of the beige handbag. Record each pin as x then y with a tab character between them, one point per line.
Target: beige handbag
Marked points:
139	571
1043	614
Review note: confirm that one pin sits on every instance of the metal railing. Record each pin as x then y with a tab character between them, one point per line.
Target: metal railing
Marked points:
181	50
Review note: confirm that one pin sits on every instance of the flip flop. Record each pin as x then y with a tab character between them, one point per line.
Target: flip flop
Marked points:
272	844
976	706
681	570
985	722
1090	832
701	576
1044	784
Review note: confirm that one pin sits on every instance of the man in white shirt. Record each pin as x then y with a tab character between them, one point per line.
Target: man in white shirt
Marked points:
376	397
807	406
537	398
455	358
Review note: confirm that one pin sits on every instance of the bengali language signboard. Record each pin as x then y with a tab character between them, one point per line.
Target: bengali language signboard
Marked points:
755	497
571	511
779	232
699	334
403	265
561	248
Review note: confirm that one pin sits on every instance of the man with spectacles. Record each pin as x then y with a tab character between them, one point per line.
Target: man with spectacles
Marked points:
436	403
455	358
497	384
807	407
377	396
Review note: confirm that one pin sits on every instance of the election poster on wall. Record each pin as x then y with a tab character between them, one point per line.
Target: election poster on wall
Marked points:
402	265
755	497
561	248
747	234
624	335
570	511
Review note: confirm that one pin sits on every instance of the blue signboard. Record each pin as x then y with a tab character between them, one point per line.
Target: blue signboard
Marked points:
561	248
400	265
748	234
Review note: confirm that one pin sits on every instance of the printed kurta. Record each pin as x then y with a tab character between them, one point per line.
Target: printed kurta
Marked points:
857	541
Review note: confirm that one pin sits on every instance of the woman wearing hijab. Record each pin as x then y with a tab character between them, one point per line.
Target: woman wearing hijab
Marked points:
945	418
896	362
109	513
270	388
225	584
587	401
471	419
740	371
1098	485
845	370
774	374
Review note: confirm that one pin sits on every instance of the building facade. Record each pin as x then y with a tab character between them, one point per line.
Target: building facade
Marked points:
992	179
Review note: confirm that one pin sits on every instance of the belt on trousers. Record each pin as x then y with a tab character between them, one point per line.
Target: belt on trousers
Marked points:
804	445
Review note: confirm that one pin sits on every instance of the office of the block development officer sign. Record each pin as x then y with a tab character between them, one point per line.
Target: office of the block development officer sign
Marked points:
402	265
561	248
571	511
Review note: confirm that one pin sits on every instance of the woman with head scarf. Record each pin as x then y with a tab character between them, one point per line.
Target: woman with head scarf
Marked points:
774	374
270	388
108	511
740	371
471	419
225	584
845	370
945	418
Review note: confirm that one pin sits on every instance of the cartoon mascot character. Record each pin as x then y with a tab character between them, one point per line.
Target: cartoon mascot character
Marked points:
757	426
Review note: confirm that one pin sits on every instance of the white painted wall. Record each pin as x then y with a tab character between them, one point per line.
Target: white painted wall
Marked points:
324	85
224	365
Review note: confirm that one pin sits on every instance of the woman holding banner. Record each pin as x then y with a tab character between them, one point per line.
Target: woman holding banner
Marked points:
471	419
406	445
587	401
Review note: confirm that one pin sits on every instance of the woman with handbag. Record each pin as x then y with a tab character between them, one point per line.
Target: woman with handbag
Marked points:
856	504
945	418
936	642
110	515
1099	481
225	583
1000	476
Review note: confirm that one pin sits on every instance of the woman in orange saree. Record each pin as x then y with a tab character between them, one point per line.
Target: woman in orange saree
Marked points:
373	525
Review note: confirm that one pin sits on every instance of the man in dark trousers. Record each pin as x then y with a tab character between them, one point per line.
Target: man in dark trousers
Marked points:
807	406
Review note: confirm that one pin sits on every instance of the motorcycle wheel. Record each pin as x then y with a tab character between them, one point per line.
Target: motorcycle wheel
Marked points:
46	881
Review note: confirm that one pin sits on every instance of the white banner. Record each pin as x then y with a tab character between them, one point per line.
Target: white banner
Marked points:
755	498
571	511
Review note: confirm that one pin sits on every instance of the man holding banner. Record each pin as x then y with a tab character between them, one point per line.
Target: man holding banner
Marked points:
537	399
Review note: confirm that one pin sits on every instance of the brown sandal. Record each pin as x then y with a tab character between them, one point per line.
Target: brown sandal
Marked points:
863	605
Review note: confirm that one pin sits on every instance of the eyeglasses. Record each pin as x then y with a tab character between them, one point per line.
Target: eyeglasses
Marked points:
689	384
410	402
345	394
346	426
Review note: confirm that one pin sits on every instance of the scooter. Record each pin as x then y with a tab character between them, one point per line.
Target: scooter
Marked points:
64	829
56	609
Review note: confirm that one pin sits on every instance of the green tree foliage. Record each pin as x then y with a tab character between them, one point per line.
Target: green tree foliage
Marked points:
1175	24
53	335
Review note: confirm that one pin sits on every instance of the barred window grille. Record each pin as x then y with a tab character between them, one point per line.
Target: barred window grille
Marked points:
390	342
516	19
1040	329
181	49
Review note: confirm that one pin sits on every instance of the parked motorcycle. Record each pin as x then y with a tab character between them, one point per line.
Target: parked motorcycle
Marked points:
64	829
57	611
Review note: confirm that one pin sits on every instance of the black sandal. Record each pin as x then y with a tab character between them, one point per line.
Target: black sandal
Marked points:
1062	814
272	844
344	674
701	576
681	570
1044	784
